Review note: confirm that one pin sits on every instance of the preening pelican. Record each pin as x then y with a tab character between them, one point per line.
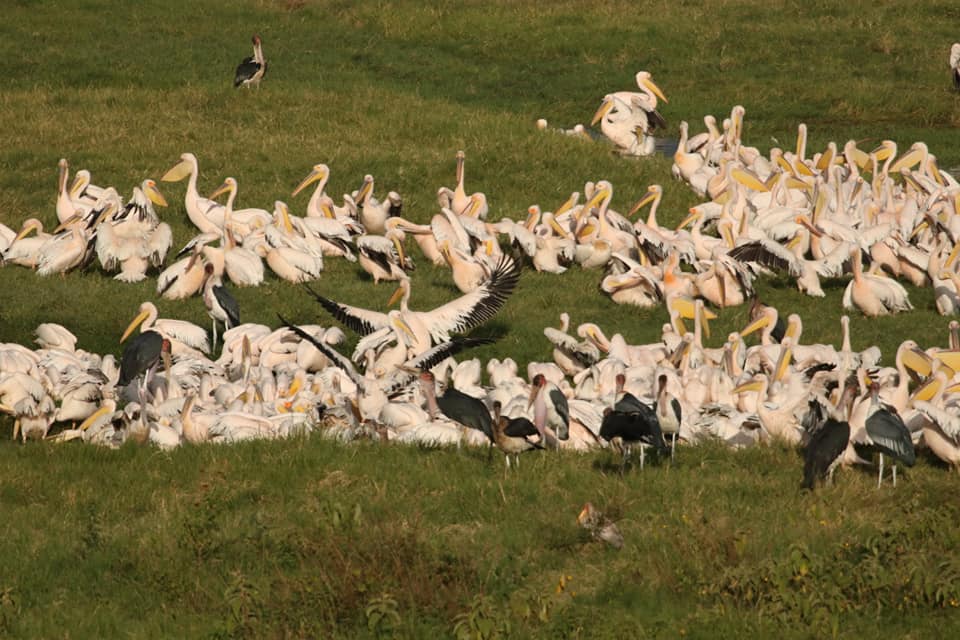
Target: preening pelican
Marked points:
383	257
874	295
373	214
252	69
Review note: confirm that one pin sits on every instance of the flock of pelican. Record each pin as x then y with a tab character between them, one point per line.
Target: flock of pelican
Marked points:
877	214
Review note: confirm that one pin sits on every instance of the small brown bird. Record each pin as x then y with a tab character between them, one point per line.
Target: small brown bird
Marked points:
600	528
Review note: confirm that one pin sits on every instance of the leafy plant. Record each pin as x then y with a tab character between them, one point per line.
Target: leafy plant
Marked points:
382	615
482	622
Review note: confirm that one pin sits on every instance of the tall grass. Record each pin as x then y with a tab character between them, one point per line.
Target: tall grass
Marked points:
313	539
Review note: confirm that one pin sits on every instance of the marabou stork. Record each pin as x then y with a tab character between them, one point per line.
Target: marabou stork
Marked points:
141	357
887	433
829	442
456	405
550	409
252	69
220	303
512	435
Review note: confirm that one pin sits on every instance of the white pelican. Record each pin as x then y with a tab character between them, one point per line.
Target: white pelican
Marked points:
202	211
134	239
466	312
874	295
383	256
25	398
67	202
185	337
242	265
373	214
183	278
24	250
253	68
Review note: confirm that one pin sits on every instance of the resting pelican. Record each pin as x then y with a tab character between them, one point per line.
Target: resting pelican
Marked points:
253	68
184	277
373	214
67	203
466	312
874	295
242	265
24	250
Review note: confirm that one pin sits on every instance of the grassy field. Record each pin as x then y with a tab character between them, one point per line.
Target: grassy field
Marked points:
313	539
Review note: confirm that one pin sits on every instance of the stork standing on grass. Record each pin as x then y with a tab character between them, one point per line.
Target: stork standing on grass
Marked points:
253	68
220	303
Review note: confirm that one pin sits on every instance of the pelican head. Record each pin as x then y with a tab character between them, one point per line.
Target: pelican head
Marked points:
319	172
149	188
645	81
181	170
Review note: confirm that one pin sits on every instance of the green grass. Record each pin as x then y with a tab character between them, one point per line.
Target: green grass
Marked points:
299	538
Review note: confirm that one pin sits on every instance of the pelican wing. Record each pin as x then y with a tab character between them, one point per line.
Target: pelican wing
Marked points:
770	254
473	309
362	321
430	358
948	422
332	354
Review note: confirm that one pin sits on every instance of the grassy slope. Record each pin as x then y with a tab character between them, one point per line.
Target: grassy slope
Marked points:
248	539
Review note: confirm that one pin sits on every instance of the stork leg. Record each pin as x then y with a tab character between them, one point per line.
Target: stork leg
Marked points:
894	475
214	350
880	476
673	444
643	451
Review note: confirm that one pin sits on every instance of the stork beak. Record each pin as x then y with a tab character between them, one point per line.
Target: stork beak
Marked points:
533	395
154	194
136	322
178	172
317	174
604	109
99	413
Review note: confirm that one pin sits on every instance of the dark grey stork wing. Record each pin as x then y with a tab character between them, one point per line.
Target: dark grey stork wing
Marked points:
891	436
245	71
520	428
141	353
335	356
359	320
827	444
677	409
655	120
467	410
560	404
229	305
